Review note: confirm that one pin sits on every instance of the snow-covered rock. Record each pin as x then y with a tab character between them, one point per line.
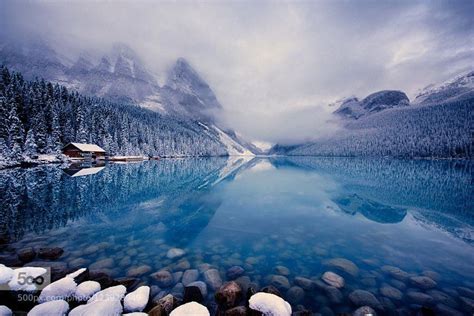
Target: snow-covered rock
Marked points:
6	274
58	290
53	308
86	290
136	301
111	307
77	273
191	308
135	314
269	304
112	293
5	311
26	273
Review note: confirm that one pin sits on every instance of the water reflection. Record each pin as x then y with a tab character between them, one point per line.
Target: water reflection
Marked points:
299	212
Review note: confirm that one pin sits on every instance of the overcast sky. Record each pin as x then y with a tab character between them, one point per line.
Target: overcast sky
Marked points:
268	61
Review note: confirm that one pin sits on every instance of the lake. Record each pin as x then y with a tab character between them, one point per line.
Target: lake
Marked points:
401	230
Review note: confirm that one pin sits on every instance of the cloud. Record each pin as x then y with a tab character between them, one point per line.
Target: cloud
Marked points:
273	65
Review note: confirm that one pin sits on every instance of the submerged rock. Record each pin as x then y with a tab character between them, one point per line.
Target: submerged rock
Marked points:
305	283
213	279
102	264
190	276
163	278
419	297
202	287
344	265
228	294
467	303
333	294
391	292
191	308
423	282
138	271
269	304
466	292
50	253
282	270
26	254
280	282
295	295
234	272
237	311
395	272
361	298
333	279
168	303
174	253
192	294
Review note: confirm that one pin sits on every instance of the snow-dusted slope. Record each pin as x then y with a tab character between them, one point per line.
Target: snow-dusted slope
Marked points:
461	86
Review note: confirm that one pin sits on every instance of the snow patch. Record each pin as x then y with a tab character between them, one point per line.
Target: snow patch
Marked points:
110	294
86	290
53	308
191	308
233	148
6	274
58	290
99	308
5	311
137	300
25	272
270	304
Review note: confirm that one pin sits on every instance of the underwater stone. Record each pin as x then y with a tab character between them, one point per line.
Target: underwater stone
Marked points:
361	298
237	311
138	271
391	292
50	253
192	294
174	253
343	264
234	272
190	276
295	295
228	294
213	279
419	297
396	273
423	282
26	254
282	270
163	278
333	279
333	294
305	283
280	282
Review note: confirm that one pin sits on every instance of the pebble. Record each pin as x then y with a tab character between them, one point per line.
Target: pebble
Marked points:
343	264
362	298
395	272
174	253
280	282
138	271
228	294
213	279
201	285
190	276
163	278
391	292
102	264
423	282
419	297
50	253
234	272
26	254
295	295
305	283
282	270
333	279
333	294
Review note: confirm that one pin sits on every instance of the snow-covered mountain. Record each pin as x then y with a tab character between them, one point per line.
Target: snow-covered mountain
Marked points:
459	87
122	76
437	124
376	102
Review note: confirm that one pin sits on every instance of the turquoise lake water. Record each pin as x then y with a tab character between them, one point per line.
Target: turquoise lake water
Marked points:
271	216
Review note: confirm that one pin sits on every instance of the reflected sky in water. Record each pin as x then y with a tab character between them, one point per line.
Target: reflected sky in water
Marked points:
258	213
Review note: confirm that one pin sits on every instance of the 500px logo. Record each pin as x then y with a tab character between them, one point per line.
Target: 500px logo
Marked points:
27	279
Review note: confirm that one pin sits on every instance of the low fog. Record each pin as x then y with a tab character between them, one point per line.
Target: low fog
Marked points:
274	66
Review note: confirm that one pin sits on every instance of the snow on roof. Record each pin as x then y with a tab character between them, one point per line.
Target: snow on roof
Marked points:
87	147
